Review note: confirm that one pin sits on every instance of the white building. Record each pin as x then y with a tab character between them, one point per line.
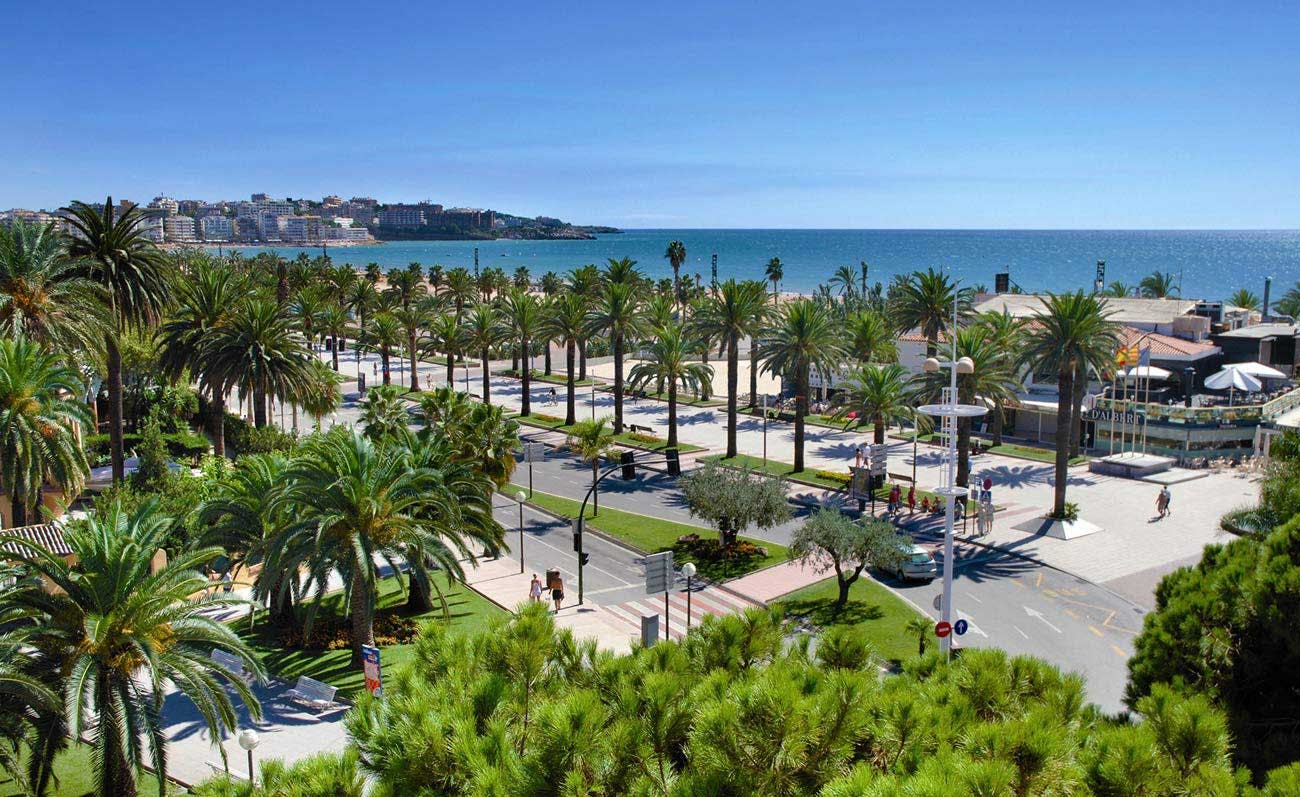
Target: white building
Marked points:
179	229
343	230
166	204
270	225
217	228
301	230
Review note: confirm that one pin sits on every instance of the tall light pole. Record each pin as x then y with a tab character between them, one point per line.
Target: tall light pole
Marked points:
950	412
520	497
688	570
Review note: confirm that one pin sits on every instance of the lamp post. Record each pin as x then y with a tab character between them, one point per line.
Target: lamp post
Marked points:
248	740
593	398
950	412
520	497
688	570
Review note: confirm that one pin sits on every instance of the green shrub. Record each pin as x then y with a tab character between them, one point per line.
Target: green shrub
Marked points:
645	439
539	417
245	438
833	476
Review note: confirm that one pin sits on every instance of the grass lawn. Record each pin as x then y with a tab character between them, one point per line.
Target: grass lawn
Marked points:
470	613
683	400
878	612
809	476
653	534
629	439
1017	451
540	376
76	778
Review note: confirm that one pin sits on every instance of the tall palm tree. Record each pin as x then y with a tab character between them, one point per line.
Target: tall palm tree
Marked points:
1244	299
676	255
805	338
775	272
875	394
361	300
523	313
617	314
585	282
436	275
567	323
622	271
1073	332
923	300
257	351
31	716
40	425
204	302
1159	285
118	636
670	361
484	329
844	281
412	318
1007	332
305	308
319	394
461	287
336	324
1119	290
114	253
592	441
385	334
43	296
406	286
734	313
871	338
447	336
359	500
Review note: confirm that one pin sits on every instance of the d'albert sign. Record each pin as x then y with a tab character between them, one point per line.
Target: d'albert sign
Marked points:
1108	415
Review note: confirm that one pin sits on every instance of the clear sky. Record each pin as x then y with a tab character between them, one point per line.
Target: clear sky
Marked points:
665	114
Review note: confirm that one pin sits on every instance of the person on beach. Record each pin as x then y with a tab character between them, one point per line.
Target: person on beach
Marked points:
535	590
911	499
557	592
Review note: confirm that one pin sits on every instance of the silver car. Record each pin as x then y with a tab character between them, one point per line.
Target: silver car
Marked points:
917	564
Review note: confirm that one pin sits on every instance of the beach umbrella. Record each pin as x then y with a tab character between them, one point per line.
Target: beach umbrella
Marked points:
1147	372
1232	380
1258	370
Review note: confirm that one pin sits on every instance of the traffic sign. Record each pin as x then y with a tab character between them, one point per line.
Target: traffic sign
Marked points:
942	629
658	572
534	452
879	453
959	627
938	602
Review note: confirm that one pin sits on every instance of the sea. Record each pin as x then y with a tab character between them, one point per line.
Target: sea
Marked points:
1206	264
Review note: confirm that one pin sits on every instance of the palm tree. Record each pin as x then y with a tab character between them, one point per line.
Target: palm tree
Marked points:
120	636
585	282
521	279
1006	332
305	309
447	336
483	330
618	316
384	413
460	284
39	425
406	286
1072	334
524	315
31	711
872	339
1159	285
734	313
1119	290
924	301
361	300
335	324
876	394
775	272
592	441
358	500
257	351
844	281
805	338
921	628
319	394
43	297
670	361
412	319
567	323
114	253
374	273
676	255
385	334
1244	299
204	301
622	271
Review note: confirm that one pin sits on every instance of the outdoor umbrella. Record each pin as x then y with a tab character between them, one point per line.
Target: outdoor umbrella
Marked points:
1232	380
1147	372
1258	370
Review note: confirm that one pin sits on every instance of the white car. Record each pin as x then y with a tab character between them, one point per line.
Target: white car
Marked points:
917	564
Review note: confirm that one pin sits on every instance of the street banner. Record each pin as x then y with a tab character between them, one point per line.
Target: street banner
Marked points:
370	665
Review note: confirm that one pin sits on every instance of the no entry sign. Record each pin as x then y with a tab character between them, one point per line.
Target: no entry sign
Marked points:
943	629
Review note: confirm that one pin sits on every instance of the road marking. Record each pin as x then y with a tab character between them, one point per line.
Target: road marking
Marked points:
1119	651
1039	616
1018	631
1016	581
1039	581
972	597
1071	614
1094	630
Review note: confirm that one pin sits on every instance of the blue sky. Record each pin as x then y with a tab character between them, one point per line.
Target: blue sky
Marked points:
756	114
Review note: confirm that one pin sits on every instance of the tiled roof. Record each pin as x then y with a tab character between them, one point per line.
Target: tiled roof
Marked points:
1123	310
1165	345
46	535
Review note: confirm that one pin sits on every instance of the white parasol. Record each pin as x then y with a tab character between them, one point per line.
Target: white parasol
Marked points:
1232	379
1258	370
1147	372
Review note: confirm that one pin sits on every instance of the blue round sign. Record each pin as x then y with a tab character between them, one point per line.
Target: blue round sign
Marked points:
959	628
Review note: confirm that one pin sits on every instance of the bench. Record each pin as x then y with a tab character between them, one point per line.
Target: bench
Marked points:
312	693
230	661
640	429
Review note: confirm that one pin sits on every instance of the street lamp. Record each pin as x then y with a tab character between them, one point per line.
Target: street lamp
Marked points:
951	412
248	740
520	497
593	398
688	570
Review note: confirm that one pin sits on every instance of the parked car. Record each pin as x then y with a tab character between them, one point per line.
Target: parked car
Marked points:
917	563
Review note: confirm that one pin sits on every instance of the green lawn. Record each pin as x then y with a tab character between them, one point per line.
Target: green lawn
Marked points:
682	400
629	439
1017	451
653	534
76	778
878	612
470	613
541	376
809	476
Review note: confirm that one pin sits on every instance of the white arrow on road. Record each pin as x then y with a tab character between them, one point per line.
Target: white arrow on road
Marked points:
1039	615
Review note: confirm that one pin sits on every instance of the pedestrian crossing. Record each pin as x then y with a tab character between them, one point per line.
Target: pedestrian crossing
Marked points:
707	600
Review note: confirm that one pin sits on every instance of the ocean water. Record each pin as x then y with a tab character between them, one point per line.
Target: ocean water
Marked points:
1210	264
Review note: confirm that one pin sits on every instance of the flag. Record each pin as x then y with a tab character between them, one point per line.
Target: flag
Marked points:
1121	357
1144	358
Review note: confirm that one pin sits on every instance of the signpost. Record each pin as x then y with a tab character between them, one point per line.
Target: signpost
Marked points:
371	667
942	629
533	452
659	578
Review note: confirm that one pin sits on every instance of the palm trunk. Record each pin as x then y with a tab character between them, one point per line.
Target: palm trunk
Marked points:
335	354
383	359
618	383
879	431
800	410
570	416
547	354
1076	417
363	625
527	408
487	385
259	408
733	386
415	374
114	362
217	410
418	598
999	421
1065	392
582	360
117	775
672	414
18	505
451	369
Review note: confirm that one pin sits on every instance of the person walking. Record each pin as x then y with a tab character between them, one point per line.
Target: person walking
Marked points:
557	592
1162	502
895	499
911	499
535	590
859	456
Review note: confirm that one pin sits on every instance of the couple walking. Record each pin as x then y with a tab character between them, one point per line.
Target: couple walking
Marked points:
1162	502
556	587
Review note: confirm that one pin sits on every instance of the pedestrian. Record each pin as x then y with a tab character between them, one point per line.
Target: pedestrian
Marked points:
911	499
535	590
986	514
557	592
895	499
860	455
553	397
1162	502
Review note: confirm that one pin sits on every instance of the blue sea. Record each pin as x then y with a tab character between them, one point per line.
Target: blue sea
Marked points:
1210	264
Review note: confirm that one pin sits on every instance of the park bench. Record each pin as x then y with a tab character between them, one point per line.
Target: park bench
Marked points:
312	693
231	662
640	429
